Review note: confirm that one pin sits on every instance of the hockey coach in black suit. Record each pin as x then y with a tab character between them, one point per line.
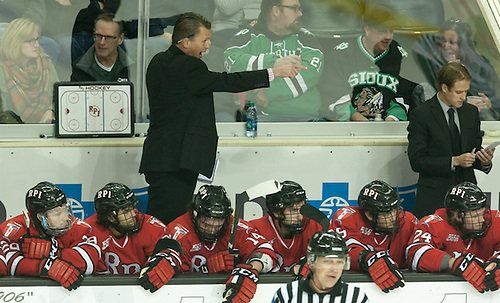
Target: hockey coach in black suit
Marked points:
182	136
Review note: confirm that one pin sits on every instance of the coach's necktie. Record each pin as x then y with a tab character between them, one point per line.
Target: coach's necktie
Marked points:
455	134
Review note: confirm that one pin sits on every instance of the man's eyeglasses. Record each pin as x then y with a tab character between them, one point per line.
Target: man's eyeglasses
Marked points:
33	41
99	37
294	8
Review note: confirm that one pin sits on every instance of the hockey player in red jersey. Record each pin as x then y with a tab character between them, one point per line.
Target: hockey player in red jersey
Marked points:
285	227
132	242
204	233
462	238
377	233
49	242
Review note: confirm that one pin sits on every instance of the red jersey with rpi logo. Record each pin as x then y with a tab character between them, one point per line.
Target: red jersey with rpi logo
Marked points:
359	235
434	237
77	246
127	255
248	241
288	251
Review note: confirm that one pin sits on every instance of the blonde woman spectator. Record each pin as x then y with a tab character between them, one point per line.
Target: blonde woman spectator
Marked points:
26	73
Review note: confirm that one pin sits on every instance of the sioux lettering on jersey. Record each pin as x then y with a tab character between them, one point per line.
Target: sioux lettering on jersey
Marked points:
180	231
11	229
374	78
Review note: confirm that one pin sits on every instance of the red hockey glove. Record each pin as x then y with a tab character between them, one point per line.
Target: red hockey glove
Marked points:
34	247
242	285
221	261
471	268
61	271
158	271
304	269
492	278
383	270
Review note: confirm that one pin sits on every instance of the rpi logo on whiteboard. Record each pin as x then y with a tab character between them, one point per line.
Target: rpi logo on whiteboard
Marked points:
94	109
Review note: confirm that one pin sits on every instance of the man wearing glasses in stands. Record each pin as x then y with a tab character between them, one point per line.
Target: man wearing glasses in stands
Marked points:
105	60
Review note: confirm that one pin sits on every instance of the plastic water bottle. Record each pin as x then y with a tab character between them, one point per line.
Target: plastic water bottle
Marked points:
251	115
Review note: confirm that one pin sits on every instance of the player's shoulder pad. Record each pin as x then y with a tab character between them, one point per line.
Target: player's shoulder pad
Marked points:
83	224
430	219
155	222
11	228
344	212
411	217
179	231
242	224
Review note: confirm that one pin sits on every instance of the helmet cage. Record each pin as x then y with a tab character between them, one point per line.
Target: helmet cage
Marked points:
280	206
112	198
328	245
379	197
210	202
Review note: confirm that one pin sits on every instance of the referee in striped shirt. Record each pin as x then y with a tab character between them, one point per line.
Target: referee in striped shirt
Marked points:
327	257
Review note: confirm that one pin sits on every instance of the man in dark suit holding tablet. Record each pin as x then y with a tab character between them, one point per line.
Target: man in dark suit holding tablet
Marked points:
445	139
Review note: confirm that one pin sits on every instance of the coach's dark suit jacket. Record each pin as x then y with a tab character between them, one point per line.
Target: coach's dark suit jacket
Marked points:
430	152
182	131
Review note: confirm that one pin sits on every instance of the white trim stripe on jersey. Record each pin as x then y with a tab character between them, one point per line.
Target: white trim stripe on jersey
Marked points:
352	241
418	254
89	265
15	262
251	63
292	87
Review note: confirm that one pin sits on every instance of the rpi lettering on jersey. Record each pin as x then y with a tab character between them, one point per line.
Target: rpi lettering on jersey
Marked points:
457	192
370	193
113	261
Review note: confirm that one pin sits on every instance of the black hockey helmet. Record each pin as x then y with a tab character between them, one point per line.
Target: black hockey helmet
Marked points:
291	192
327	244
462	199
109	200
41	200
377	197
211	201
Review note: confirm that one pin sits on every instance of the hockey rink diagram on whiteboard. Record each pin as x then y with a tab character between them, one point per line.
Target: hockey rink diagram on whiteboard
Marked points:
94	109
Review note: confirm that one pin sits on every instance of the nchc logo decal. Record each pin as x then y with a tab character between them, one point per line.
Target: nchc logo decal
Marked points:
336	195
85	209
